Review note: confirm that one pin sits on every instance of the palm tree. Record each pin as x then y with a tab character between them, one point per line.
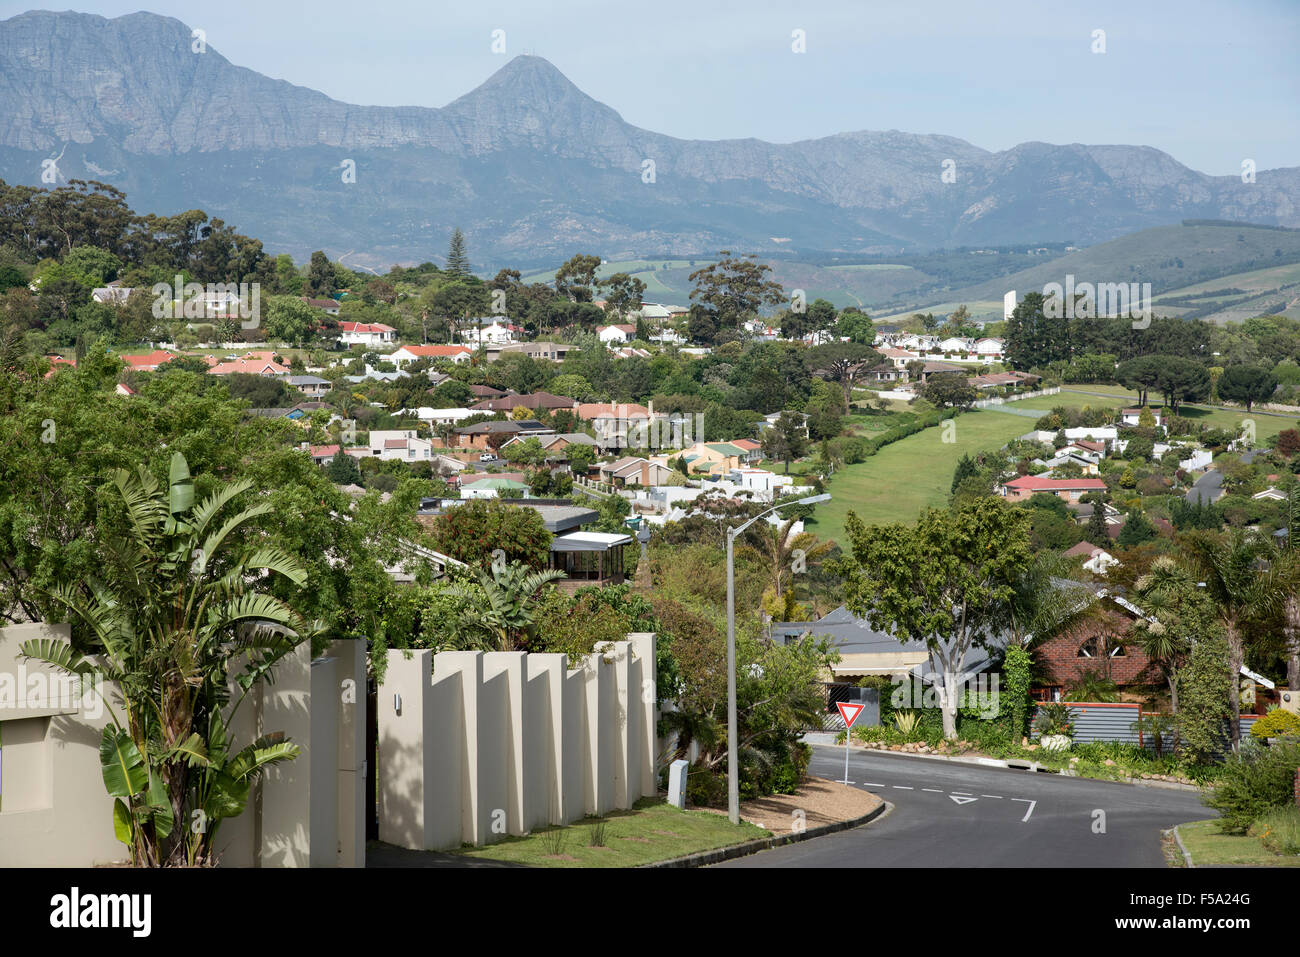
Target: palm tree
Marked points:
1243	585
1048	600
177	620
782	550
503	600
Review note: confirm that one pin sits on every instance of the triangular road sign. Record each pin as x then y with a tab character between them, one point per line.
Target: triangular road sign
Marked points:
849	712
961	799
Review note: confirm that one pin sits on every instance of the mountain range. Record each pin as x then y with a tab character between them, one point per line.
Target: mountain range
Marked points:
534	170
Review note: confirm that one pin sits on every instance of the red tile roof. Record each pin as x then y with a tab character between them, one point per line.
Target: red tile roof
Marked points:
1037	483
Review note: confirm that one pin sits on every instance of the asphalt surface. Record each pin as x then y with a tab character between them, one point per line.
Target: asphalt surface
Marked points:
948	814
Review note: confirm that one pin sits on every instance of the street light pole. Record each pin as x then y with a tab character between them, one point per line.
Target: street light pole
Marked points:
733	749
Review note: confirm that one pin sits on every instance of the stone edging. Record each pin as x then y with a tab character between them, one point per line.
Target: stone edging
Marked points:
720	854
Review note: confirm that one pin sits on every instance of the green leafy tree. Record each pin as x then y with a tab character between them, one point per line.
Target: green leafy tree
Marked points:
471	531
785	441
856	326
946	582
734	289
320	277
1248	384
175	619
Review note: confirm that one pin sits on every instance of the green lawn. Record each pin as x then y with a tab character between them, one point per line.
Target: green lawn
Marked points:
901	479
1265	425
653	831
1209	848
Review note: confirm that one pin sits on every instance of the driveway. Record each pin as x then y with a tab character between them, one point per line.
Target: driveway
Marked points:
949	814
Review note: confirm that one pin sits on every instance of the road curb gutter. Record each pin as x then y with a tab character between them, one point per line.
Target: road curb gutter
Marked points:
720	854
1178	839
1021	764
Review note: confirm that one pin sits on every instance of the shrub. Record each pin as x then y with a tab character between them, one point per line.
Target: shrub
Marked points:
705	787
1254	782
1053	719
1276	724
1279	830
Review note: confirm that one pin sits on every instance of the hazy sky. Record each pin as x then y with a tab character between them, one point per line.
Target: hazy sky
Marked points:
1211	83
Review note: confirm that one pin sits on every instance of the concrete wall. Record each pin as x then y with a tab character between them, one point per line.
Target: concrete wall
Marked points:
55	812
486	745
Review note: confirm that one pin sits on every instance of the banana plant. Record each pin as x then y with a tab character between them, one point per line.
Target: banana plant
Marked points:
505	601
178	622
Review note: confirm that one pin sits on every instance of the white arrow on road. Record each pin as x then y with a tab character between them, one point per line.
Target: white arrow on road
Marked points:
962	799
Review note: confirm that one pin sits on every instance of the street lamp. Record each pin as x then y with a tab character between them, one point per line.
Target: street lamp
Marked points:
733	761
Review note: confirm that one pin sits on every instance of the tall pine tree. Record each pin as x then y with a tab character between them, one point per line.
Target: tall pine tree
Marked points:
457	258
965	469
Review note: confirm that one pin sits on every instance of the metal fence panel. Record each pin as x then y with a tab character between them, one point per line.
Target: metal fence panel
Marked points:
1097	721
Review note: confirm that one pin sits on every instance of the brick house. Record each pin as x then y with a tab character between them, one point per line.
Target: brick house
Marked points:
1071	490
1105	643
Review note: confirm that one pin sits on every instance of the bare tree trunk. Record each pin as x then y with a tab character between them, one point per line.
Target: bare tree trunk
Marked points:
1236	655
1291	629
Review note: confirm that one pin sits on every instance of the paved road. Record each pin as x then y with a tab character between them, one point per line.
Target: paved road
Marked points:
959	815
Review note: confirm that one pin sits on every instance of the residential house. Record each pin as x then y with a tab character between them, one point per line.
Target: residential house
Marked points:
150	362
371	334
753	451
249	367
898	358
323	454
1017	490
550	351
492	435
533	402
631	352
707	458
309	384
619	333
1132	417
114	294
761	483
496	333
990	349
1096	560
328	306
620	424
455	353
634	470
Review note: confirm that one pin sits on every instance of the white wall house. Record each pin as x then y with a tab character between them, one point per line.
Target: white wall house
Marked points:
366	334
494	334
620	333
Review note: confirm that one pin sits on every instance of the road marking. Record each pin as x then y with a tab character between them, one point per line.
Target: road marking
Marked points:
963	793
871	784
933	790
998	796
963	798
903	787
1032	805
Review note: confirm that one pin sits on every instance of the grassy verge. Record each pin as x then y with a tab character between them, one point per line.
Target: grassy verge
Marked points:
1209	848
652	831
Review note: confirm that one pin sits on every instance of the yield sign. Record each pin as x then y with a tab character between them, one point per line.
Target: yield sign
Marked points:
849	712
962	799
